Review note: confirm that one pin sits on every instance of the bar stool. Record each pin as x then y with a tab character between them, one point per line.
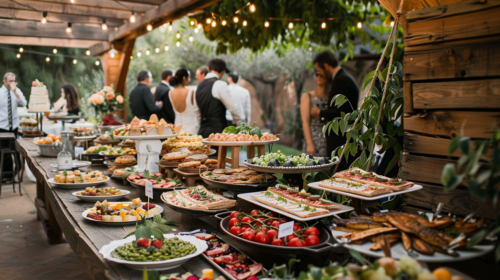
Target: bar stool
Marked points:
11	153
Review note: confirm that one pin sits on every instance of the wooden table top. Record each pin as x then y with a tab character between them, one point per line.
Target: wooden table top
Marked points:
90	237
7	135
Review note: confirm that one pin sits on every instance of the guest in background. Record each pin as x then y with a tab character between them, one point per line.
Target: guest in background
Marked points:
161	94
141	100
182	100
314	141
11	97
241	96
382	159
212	99
201	73
340	82
72	98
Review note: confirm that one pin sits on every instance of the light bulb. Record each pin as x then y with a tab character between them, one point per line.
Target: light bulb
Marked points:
252	8
132	16
44	17
68	29
266	24
47	59
191	39
74	61
244	23
359	25
54	50
87	52
131	57
323	25
149	27
178	44
170	27
104	26
191	22
21	49
214	23
18	55
236	19
290	25
166	48
44	20
112	55
147	52
196	30
97	62
157	50
178	35
139	54
392	23
73	1
200	26
224	22
209	20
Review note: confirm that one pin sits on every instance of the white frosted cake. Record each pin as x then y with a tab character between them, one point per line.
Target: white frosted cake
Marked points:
39	98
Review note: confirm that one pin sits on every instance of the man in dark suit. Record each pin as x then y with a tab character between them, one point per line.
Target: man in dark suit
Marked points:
382	160
142	102
341	82
161	94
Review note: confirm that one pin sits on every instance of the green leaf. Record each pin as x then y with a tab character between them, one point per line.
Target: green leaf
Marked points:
354	135
342	126
340	101
231	130
390	127
483	176
392	163
354	149
363	160
158	234
449	178
476	190
315	272
335	127
464	144
357	256
453	145
368	78
476	238
142	232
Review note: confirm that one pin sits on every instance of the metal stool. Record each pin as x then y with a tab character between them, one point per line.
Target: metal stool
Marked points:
14	172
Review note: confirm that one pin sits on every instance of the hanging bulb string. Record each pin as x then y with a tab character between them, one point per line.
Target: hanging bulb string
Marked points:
45	54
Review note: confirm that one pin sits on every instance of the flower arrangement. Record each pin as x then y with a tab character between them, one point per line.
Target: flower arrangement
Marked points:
106	100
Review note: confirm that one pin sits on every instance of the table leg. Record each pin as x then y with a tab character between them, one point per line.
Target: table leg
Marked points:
221	158
250	152
170	173
235	157
261	150
55	233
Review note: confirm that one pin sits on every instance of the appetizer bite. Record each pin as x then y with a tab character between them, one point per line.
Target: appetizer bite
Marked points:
122	211
242	133
279	159
77	177
93	191
144	128
197	198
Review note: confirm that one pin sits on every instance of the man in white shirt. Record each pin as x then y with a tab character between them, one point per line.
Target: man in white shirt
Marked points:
11	97
241	96
201	73
212	99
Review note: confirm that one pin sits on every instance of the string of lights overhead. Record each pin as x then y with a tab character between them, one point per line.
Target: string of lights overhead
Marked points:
75	58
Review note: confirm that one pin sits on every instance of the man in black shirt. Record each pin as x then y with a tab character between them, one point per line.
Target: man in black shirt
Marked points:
161	94
341	82
141	98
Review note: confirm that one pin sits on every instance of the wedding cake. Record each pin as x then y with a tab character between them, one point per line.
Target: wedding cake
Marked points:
39	98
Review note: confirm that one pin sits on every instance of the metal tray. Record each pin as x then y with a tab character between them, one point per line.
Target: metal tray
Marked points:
194	212
237	187
290	170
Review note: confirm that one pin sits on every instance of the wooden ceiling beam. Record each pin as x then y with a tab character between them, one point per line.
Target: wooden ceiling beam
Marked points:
138	7
50	30
151	2
68	9
55	17
56	42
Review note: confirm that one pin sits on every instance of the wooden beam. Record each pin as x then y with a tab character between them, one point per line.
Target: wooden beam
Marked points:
449	123
8	13
420	144
69	9
450	9
425	169
50	30
99	48
56	42
139	7
121	82
473	94
150	2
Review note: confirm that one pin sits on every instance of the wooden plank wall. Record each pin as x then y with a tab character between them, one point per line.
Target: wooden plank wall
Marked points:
452	86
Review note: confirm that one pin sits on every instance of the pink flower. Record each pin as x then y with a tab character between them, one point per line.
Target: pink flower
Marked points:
107	89
119	99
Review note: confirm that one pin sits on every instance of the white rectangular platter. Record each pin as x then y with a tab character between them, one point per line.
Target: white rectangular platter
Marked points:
248	197
412	189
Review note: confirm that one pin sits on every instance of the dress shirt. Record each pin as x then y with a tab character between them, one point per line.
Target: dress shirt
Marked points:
241	96
220	91
4	109
166	83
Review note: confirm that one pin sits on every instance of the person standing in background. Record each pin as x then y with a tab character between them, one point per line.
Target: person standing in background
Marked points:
70	94
11	97
241	96
182	100
212	99
201	73
340	82
141	100
161	94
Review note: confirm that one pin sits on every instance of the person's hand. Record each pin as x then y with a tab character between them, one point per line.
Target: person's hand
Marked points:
159	103
13	86
315	112
310	149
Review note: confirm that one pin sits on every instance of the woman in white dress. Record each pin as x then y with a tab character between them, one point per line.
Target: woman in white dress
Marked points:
182	100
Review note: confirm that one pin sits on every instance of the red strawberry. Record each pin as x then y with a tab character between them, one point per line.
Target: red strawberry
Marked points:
148	206
143	242
158	243
111	117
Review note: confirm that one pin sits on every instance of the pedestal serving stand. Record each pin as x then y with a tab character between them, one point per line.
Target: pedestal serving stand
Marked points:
39	123
234	160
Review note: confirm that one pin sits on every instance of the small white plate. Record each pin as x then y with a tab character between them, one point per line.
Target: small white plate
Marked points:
76	186
315	185
84	215
201	246
101	198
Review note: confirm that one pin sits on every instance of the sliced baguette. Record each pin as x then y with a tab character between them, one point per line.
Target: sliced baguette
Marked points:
360	191
334	206
221	204
291	207
346	174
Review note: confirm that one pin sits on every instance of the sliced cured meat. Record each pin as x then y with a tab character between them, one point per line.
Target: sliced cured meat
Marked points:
253	269
219	250
204	236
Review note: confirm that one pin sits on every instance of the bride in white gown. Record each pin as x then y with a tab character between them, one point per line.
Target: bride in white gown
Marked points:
182	100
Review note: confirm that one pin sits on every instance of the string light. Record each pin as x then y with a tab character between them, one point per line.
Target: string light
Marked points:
252	8
360	24
68	29
266	24
87	52
170	27
166	48
200	26
392	23
18	55
139	54
131	57
214	23
147	52
73	1
191	39
196	30
209	20
112	55
191	22
290	25
244	23
104	26
224	22
157	50
44	18
178	35
21	49
323	25
74	61
149	27
236	19
178	44
54	51
132	16
97	63
47	59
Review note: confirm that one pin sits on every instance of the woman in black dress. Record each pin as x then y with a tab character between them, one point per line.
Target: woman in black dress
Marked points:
69	92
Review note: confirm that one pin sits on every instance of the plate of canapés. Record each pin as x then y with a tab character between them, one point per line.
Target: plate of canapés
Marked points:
93	194
78	179
121	213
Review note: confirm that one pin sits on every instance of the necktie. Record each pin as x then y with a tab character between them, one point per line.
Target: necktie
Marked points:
10	110
376	164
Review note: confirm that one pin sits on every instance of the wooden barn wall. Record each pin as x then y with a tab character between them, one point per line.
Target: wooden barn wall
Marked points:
452	84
